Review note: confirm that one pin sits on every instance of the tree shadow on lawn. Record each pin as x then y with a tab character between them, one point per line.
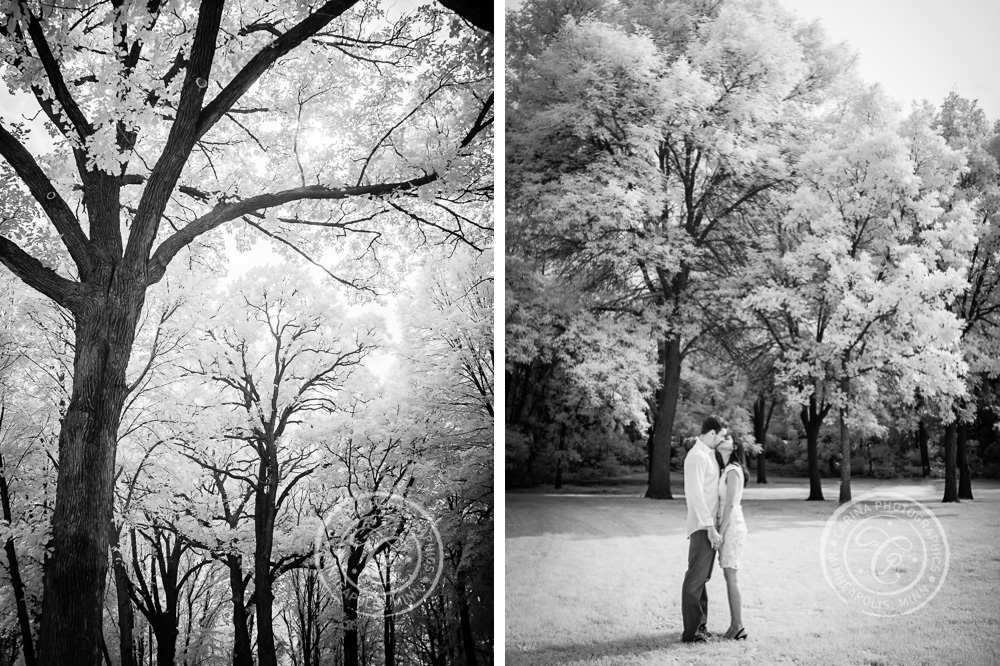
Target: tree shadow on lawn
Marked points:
767	508
613	649
602	516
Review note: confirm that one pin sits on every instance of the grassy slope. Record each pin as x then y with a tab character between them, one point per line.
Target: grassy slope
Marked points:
595	580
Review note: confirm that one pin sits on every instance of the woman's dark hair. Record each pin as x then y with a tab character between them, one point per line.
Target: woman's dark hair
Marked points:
738	455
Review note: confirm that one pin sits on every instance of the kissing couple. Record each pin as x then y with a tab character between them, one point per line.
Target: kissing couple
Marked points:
714	523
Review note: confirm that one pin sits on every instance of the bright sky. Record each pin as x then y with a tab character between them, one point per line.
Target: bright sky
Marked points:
919	49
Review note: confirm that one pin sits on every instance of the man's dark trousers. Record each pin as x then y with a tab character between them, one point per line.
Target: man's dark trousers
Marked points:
694	596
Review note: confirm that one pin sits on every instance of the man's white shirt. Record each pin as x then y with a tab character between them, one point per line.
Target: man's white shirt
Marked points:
701	487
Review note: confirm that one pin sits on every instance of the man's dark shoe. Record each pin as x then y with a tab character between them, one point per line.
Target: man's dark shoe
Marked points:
698	638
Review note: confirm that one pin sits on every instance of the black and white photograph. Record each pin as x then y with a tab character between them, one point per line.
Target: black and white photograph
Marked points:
751	313
247	333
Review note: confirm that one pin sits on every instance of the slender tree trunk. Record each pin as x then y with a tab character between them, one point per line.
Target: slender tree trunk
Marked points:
349	601
242	651
16	584
560	455
75	573
845	459
468	640
126	613
761	422
666	411
388	618
950	481
925	458
964	476
264	517
812	420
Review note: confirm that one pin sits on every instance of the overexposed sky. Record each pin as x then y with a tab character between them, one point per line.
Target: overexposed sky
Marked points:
917	49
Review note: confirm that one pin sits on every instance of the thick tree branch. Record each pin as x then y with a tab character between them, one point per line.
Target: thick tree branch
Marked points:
182	138
261	62
479	14
482	122
225	212
45	194
52	71
36	275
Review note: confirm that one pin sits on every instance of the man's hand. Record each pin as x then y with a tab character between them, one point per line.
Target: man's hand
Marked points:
714	537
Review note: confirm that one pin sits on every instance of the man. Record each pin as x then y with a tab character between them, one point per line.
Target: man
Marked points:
701	493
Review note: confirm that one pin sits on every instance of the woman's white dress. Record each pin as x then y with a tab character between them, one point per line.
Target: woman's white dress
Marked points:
735	537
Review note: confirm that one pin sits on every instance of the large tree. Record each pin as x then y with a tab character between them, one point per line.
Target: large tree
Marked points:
172	119
633	152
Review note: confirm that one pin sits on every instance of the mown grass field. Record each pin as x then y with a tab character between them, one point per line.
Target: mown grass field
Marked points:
593	578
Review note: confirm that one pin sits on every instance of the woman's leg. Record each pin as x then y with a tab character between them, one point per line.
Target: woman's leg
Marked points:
735	602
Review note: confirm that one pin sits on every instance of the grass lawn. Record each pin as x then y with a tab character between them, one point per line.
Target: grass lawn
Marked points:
593	577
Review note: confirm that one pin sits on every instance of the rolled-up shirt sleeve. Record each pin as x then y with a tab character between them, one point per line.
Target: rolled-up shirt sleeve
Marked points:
695	468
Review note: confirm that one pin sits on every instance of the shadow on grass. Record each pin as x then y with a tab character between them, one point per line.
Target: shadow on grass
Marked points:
624	647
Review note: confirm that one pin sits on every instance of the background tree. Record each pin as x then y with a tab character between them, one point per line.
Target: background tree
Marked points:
855	289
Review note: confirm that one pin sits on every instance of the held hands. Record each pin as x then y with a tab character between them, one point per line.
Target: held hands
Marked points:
714	537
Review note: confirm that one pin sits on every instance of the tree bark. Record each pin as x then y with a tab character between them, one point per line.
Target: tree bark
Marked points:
242	650
388	619
964	475
126	614
812	419
349	601
75	572
468	640
950	484
845	459
761	423
922	441
559	456
23	620
666	412
265	504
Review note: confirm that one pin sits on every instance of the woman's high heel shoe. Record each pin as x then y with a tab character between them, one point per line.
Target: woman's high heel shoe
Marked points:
740	635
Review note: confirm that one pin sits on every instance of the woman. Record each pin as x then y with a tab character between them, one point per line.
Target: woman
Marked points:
732	527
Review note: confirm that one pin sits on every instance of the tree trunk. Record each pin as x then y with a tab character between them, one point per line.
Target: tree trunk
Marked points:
950	485
559	456
349	600
666	411
388	619
264	516
812	420
242	650
75	572
845	459
964	477
17	585
925	457
468	640
126	614
761	422
166	632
